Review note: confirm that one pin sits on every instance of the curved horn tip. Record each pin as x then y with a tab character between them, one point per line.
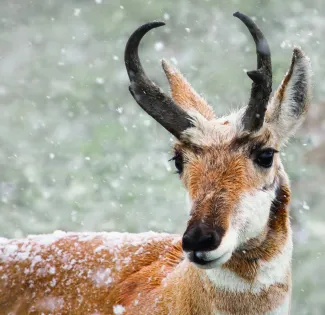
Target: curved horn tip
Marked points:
241	16
148	26
237	14
143	29
131	58
155	23
262	46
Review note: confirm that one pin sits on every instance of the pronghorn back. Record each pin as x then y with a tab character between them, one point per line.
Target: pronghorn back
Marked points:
114	273
235	254
84	273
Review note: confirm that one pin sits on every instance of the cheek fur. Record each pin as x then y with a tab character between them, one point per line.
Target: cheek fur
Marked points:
252	214
188	202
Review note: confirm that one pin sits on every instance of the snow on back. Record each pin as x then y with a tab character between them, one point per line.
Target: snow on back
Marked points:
79	260
50	304
47	239
21	249
101	277
66	248
118	309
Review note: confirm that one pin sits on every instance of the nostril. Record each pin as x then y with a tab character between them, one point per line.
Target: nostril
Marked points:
187	242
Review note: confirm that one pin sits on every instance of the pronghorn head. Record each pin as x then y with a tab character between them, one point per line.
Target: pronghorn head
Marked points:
230	166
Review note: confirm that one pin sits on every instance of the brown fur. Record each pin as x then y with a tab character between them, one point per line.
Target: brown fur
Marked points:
78	277
212	203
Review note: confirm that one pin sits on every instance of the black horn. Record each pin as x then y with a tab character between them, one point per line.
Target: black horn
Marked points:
147	94
262	78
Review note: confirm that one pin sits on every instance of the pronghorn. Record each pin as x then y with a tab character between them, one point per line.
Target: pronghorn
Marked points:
235	254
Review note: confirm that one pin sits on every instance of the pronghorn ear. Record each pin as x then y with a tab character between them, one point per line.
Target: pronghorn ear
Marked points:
290	103
183	93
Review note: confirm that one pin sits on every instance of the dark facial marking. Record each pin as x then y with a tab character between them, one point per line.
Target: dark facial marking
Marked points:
250	144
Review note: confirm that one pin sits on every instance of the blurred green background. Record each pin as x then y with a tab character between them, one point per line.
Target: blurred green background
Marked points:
78	154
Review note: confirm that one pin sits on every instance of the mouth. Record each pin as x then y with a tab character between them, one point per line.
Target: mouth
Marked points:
208	259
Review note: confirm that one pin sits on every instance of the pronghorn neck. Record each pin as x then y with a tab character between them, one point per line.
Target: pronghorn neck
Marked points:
269	244
256	280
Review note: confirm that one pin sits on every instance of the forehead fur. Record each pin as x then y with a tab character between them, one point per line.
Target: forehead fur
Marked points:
227	131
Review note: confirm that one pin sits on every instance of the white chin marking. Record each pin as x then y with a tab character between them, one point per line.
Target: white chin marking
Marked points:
270	272
213	261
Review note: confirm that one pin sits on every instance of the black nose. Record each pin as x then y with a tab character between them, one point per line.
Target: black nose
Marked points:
201	238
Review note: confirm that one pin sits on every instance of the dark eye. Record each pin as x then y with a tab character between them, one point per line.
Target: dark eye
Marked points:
178	159
265	158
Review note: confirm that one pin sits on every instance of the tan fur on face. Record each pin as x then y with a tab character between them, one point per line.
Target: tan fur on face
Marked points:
215	180
217	174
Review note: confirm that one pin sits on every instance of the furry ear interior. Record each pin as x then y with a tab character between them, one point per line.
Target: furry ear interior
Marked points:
183	93
290	103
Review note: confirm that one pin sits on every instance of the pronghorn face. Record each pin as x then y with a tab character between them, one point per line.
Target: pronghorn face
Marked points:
231	178
230	166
